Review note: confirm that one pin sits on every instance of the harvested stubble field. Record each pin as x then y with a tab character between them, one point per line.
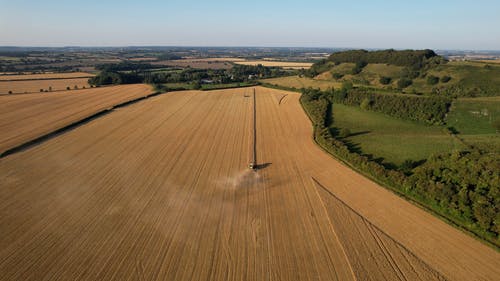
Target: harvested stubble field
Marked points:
26	117
218	59
159	190
43	76
34	86
495	61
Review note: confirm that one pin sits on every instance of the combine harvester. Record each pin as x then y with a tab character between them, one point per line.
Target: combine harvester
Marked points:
253	162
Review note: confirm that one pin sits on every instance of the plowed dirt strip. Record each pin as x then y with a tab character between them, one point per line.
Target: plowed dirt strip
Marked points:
159	190
26	117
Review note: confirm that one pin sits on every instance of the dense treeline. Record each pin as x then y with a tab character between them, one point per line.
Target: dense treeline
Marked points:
39	68
431	109
317	106
169	56
411	58
124	66
128	72
462	186
238	73
109	78
120	73
186	75
485	88
466	184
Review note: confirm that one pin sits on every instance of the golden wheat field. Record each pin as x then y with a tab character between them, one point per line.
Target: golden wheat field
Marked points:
63	75
34	86
495	61
160	190
26	117
217	59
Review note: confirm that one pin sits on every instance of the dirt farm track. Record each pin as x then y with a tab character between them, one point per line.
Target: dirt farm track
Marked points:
160	190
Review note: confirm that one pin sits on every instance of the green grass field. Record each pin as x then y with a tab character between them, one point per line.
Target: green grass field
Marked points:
186	86
474	116
489	142
343	68
381	69
302	82
392	139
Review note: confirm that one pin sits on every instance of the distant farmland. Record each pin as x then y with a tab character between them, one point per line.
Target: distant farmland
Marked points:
160	190
45	76
45	82
284	64
197	63
37	86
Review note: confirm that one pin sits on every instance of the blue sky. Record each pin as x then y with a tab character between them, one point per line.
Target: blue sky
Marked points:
434	24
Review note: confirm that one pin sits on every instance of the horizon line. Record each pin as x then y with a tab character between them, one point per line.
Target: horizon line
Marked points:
241	46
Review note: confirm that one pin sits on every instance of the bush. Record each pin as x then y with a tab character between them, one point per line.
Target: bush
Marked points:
410	73
358	67
196	85
10	92
452	130
344	133
337	75
384	80
445	79
68	88
365	104
404	82
407	166
432	80
496	124
347	85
